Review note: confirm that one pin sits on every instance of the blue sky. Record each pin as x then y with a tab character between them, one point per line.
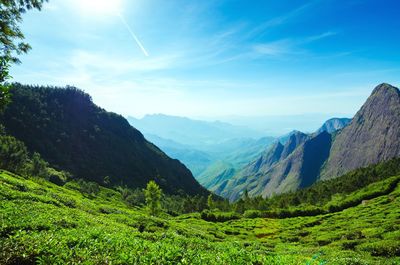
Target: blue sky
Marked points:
216	59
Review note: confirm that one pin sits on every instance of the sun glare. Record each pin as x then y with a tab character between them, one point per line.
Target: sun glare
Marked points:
99	7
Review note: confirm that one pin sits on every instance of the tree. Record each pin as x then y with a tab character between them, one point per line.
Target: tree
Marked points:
88	187
39	166
4	87
153	194
13	154
11	39
210	202
135	198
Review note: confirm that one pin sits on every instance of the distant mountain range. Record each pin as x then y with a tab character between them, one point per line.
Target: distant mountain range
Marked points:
194	133
73	134
339	146
209	149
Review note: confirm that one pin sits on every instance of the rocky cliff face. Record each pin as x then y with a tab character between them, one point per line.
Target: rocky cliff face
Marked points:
275	154
372	136
282	168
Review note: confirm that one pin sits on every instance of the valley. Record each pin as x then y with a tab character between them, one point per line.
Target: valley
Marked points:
199	132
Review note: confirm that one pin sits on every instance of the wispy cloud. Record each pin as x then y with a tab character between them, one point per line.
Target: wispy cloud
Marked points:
100	62
259	30
289	46
276	48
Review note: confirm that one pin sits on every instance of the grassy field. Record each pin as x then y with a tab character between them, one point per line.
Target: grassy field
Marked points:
42	223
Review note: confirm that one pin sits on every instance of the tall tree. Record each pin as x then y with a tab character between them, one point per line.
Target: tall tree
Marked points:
210	202
153	195
11	39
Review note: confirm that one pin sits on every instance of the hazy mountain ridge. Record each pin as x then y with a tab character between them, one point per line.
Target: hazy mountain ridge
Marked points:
195	133
215	155
334	124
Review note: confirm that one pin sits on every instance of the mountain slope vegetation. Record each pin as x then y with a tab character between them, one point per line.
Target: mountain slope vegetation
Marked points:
73	134
68	226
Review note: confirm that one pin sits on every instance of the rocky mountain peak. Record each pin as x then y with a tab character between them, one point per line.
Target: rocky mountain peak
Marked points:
372	136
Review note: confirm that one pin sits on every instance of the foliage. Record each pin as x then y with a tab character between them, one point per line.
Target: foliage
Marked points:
39	166
15	157
10	34
10	40
88	188
210	202
47	224
321	193
153	194
216	216
13	154
4	87
135	198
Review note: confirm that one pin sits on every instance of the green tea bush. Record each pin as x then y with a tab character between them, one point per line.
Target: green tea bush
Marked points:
253	214
88	188
213	216
386	248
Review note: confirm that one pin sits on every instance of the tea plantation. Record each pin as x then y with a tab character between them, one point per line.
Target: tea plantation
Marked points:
42	223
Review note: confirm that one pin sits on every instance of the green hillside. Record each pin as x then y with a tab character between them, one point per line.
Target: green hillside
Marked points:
42	223
73	134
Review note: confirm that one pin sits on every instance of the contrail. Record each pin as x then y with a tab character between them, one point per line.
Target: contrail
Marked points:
133	35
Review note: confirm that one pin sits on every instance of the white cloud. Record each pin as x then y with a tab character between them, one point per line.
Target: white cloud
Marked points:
109	64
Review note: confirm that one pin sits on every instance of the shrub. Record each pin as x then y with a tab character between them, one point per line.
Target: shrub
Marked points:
211	216
57	177
39	166
386	248
252	214
88	188
135	198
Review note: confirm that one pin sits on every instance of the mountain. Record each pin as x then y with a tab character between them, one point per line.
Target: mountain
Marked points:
197	161
282	168
334	124
372	136
213	151
195	133
229	157
216	173
276	153
283	139
73	134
